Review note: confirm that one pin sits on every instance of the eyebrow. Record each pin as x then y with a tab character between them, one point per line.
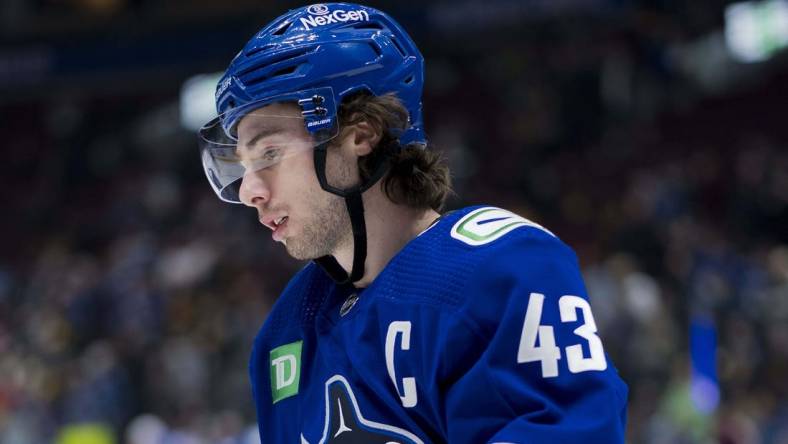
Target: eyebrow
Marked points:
263	133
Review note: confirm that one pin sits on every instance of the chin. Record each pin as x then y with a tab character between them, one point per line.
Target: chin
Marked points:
298	253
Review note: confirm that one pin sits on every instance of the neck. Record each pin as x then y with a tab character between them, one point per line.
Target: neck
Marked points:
389	228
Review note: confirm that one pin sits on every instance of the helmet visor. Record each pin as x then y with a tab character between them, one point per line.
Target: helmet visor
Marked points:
262	138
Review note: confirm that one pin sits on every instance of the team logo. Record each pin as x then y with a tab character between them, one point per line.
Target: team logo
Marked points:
345	424
285	370
349	303
485	225
318	9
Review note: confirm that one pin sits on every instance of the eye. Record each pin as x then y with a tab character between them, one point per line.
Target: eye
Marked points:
258	159
271	154
258	153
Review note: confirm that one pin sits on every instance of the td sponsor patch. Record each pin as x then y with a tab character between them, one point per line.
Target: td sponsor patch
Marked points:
285	370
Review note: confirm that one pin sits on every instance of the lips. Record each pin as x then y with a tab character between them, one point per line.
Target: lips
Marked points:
281	225
277	224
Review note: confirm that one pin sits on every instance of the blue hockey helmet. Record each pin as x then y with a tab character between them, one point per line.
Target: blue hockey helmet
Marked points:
312	56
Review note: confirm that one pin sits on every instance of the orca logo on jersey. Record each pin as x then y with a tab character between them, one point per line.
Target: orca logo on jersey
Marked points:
484	225
344	423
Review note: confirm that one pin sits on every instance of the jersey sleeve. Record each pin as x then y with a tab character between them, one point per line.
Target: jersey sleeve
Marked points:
525	363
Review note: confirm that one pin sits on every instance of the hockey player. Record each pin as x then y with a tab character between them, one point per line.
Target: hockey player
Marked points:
407	326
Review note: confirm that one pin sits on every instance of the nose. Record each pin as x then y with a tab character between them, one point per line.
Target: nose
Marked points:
254	190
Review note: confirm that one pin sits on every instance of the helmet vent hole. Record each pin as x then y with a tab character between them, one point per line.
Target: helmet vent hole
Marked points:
409	80
367	25
376	49
260	49
270	60
282	29
399	48
285	71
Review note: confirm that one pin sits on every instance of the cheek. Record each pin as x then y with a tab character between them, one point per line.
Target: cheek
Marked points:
340	171
299	175
306	171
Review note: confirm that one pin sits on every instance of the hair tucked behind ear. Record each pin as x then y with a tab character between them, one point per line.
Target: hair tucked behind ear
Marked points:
418	176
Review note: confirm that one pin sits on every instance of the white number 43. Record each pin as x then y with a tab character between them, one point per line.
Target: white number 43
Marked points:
547	352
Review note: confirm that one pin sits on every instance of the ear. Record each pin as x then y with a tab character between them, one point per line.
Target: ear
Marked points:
362	138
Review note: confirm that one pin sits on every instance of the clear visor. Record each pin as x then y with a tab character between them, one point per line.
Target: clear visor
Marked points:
261	139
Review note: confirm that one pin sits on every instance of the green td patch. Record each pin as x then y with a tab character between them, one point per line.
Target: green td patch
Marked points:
285	370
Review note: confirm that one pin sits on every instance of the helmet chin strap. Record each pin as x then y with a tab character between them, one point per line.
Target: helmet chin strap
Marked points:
355	208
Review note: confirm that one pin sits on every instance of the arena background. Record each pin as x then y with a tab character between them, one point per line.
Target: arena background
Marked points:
652	136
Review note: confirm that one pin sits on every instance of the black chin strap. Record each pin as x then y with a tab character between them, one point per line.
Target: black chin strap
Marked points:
355	208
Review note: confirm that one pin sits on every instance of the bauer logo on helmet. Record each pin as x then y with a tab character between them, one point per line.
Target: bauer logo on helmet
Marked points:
223	86
318	122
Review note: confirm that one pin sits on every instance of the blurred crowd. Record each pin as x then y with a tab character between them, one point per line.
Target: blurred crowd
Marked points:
130	296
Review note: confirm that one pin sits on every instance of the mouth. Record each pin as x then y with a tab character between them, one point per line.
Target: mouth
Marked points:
280	220
279	226
272	222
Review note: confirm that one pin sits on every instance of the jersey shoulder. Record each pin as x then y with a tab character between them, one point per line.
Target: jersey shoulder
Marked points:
486	237
487	232
467	246
482	225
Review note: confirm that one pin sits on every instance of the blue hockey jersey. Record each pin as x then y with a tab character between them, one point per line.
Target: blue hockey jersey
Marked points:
478	330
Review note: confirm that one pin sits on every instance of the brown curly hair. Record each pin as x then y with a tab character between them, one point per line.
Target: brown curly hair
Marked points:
417	176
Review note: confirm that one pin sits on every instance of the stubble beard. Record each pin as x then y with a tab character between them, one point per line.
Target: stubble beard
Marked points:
327	229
